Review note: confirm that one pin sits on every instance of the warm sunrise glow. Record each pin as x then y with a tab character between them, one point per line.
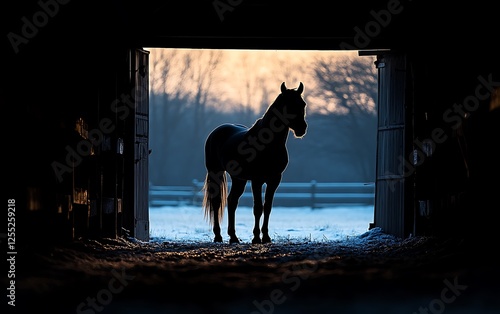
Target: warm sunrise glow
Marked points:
243	78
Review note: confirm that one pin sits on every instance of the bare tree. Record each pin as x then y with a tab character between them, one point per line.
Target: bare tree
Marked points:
183	80
168	105
347	86
202	73
260	84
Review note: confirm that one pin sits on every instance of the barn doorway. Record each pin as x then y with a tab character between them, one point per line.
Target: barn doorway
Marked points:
329	183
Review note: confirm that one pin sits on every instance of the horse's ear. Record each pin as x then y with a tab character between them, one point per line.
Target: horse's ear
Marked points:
300	89
283	87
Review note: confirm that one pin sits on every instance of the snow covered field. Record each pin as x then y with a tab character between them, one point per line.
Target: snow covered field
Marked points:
187	223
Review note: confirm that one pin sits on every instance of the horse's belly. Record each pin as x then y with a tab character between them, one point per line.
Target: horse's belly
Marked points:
258	167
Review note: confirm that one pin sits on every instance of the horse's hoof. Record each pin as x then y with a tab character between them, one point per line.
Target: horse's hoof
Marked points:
266	239
234	240
218	239
256	241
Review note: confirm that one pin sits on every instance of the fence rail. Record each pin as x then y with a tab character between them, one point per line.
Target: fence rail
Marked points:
312	194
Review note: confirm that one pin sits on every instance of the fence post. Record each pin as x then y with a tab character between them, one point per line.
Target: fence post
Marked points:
313	194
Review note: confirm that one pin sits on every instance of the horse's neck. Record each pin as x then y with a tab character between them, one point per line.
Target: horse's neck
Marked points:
274	124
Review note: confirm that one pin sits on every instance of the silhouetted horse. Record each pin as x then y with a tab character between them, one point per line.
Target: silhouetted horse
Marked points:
257	154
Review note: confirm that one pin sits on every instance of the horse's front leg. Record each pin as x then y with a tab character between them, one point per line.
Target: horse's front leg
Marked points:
257	210
271	186
237	189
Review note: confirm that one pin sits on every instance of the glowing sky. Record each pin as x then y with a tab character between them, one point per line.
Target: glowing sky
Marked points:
241	77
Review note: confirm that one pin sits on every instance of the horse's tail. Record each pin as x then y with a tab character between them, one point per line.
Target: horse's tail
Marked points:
215	193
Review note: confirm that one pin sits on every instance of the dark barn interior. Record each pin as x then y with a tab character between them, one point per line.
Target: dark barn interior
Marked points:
76	111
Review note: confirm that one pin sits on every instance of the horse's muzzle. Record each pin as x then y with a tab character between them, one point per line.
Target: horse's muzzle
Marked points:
300	130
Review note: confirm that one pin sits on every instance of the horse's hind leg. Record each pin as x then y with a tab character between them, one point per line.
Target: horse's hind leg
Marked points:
237	189
214	193
216	227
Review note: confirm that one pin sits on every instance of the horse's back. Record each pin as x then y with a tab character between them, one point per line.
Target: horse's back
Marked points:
224	131
216	143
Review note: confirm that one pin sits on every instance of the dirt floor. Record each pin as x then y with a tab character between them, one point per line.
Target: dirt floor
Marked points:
380	275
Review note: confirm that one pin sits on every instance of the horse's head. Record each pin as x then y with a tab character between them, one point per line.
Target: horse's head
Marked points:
294	109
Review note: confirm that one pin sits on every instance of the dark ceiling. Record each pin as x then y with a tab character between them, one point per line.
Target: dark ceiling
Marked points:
261	24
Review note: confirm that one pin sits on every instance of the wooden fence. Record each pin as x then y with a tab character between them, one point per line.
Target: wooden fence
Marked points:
297	194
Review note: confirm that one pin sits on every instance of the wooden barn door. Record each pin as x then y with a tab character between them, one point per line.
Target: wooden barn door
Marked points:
140	77
393	202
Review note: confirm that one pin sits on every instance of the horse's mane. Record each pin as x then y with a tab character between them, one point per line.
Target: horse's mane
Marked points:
257	125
